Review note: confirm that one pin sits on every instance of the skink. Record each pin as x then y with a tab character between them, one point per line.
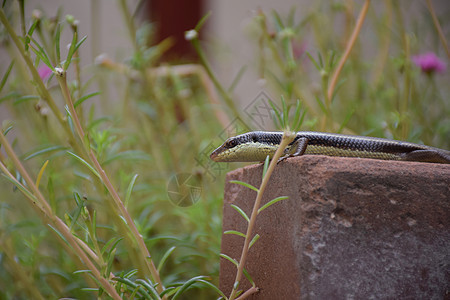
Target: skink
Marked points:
256	145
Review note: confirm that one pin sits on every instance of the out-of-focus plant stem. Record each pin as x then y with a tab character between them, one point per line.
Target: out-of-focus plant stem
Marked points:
438	27
46	210
348	49
226	97
61	75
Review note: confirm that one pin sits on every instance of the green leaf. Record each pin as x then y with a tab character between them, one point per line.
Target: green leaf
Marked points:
338	86
85	163
266	166
43	151
213	287
22	188
237	78
278	22
254	239
80	207
58	43
313	60
234	232
110	260
113	241
73	49
30	33
6	75
84	98
40	52
7	130
202	21
164	258
127	155
321	105
245	184
241	212
135	287
277	114
232	260
26	98
186	285
130	189
346	120
150	288
285	115
271	202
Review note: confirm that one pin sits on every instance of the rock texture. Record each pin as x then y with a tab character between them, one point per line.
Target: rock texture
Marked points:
351	229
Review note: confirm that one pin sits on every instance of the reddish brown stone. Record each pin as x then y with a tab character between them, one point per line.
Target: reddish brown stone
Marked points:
351	229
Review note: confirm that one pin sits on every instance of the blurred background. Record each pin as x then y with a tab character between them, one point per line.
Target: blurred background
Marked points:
155	98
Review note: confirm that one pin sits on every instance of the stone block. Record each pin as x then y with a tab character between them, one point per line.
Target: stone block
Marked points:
351	229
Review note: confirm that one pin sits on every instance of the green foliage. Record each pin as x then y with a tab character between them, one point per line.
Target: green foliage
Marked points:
88	149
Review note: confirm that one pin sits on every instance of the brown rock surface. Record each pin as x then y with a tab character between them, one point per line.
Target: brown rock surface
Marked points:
351	229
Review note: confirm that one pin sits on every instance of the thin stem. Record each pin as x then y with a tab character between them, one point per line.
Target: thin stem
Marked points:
248	292
208	69
41	89
348	49
57	222
438	27
105	180
288	137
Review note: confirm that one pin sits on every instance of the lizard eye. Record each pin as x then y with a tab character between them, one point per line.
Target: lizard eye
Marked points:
230	143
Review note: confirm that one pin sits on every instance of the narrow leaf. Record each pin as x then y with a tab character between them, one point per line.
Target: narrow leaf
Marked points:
245	184
84	98
213	287
241	212
266	166
234	232
277	113
321	105
22	188
237	78
41	172
40	52
271	202
313	60
85	163
254	239
164	258
232	260
58	43
346	120
45	150
130	189
6	75
202	21
150	288
186	285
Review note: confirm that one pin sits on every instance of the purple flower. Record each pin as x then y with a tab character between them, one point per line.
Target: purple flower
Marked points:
44	72
429	63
